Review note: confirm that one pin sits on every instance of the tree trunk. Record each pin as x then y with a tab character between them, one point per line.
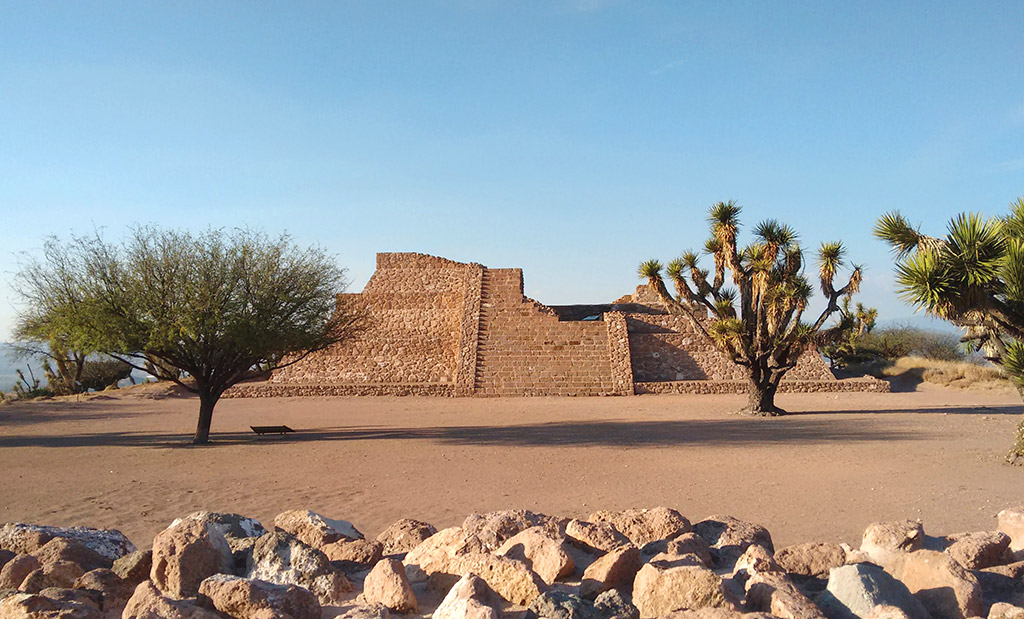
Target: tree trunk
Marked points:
206	403
761	396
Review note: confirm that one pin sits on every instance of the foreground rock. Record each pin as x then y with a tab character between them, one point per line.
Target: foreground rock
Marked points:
811	560
942	585
315	530
509	578
246	598
643	526
1009	521
282	559
883	542
404	535
22	538
976	551
854	590
541	551
469	598
436	552
149	603
730	537
387	585
617	569
658	592
185	554
31	606
596	537
494	528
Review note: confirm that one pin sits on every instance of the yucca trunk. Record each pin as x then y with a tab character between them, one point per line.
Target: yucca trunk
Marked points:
763	384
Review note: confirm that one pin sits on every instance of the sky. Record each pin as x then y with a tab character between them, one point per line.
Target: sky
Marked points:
571	138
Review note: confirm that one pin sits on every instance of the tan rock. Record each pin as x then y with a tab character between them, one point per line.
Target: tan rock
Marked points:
643	526
358	554
509	578
148	603
1009	521
615	569
469	598
757	560
114	592
404	535
315	530
884	541
185	554
282	559
363	611
729	538
387	585
5	556
34	606
247	598
976	551
26	538
494	528
942	585
59	574
659	592
887	612
599	537
134	567
69	549
540	551
437	551
665	560
813	559
17	569
684	544
1002	610
774	593
716	613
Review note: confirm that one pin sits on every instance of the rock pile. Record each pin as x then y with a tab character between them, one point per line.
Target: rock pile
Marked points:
634	564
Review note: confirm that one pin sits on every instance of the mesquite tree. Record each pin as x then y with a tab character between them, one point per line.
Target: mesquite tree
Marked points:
974	278
205	311
756	322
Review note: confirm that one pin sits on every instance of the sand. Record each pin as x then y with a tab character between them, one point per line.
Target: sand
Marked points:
839	462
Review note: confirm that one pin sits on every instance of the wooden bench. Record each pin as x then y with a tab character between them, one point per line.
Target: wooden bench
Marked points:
261	430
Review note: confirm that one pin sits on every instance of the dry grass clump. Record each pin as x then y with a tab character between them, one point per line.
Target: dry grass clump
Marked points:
955	374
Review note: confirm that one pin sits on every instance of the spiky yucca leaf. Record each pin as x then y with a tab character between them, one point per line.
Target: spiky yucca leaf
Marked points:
650	269
675	268
894	229
1012	273
712	246
830	259
1013	361
723	308
974	249
690	259
1013	224
924	281
726	330
724	218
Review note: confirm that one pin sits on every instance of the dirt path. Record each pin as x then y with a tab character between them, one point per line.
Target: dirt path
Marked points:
823	473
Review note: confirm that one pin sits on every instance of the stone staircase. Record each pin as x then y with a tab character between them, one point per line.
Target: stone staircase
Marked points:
483	333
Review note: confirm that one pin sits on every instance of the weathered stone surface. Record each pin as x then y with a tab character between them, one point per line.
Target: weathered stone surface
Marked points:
729	538
469	598
1001	610
73	550
716	613
1002	583
659	592
404	535
942	585
437	551
356	555
643	526
186	553
246	598
886	612
59	574
17	569
313	529
540	551
5	556
362	611
1009	521
774	593
26	538
599	537
149	603
494	528
811	560
239	531
615	569
134	567
387	585
976	551
684	544
665	560
93	599
282	559
509	578
853	590
883	541
561	605
612	605
756	560
114	592
34	606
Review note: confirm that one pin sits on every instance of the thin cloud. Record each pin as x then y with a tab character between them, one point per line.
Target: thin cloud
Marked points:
675	64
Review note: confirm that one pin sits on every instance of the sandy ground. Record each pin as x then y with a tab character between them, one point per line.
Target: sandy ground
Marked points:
838	463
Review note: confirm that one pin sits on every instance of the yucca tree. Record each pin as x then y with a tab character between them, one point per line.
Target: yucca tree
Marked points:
757	320
972	277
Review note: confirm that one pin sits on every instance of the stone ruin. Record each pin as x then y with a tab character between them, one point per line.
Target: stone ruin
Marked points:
439	327
630	564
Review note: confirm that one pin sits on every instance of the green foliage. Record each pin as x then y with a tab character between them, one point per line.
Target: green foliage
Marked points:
211	307
973	277
30	388
757	320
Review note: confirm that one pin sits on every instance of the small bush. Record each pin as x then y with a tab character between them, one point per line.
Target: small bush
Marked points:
954	374
904	341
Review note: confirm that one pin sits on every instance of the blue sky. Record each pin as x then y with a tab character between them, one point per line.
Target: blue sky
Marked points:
571	138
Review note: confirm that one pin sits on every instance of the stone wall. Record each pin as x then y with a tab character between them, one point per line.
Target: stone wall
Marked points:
438	327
